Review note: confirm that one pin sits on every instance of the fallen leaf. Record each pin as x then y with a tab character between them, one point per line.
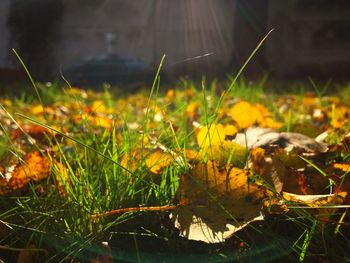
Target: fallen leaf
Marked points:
246	115
345	167
192	110
315	200
38	133
216	202
225	153
131	159
157	160
215	147
279	170
322	205
34	167
338	116
289	141
37	109
213	134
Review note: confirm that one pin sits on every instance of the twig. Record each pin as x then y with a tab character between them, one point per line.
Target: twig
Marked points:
136	209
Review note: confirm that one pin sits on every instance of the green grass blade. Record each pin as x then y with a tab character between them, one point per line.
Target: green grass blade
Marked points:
30	78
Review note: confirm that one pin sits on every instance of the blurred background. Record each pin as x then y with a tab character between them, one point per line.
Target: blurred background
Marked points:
119	41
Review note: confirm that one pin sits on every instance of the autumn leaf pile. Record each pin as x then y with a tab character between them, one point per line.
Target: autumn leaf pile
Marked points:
238	160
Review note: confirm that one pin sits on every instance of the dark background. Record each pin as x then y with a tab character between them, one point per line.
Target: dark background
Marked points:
114	41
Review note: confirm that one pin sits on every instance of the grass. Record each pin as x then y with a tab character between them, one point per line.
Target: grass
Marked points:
103	150
101	178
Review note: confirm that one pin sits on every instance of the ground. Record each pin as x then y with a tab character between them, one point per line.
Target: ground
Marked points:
220	171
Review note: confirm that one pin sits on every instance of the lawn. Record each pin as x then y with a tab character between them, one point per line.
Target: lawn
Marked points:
212	171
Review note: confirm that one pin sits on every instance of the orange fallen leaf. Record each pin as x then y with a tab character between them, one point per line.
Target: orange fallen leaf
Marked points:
192	110
342	166
34	167
170	95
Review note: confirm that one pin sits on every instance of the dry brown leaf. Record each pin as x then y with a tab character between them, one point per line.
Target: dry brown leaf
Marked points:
27	255
216	202
315	200
279	170
322	205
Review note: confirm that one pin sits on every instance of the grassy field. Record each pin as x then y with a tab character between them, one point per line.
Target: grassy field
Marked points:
70	158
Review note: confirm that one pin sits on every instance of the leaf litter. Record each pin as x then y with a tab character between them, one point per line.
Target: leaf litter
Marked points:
236	170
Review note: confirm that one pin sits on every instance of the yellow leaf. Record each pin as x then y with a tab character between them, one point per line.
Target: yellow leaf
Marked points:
191	110
224	153
338	116
102	121
211	135
215	147
37	109
131	160
230	130
158	160
98	106
216	202
271	123
245	114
